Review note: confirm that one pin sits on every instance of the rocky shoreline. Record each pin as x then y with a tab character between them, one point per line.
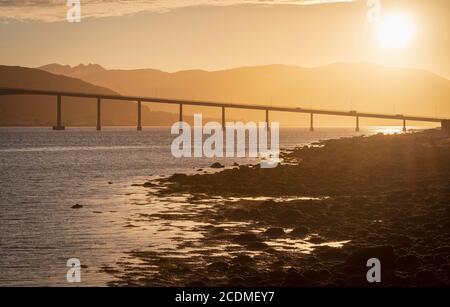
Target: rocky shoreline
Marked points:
345	201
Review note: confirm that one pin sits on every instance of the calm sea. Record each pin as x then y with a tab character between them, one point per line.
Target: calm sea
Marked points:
43	173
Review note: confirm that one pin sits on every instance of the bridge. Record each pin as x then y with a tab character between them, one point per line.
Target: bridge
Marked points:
445	123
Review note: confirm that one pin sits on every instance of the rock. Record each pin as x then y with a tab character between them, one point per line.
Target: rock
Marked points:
294	278
110	182
218	230
243	259
329	253
426	277
288	216
316	240
218	266
312	275
217	165
299	231
237	281
256	245
334	234
274	232
130	226
419	219
176	177
384	253
439	259
429	226
246	237
400	240
446	226
197	284
77	206
408	263
242	214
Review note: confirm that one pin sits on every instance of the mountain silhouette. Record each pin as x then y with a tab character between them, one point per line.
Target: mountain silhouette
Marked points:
343	86
75	71
40	110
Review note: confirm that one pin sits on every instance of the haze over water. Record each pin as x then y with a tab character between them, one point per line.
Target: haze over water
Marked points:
44	173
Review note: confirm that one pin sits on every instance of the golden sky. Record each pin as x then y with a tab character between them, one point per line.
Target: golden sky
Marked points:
204	34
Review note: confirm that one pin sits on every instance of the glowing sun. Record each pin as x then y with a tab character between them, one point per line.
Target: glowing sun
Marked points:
395	31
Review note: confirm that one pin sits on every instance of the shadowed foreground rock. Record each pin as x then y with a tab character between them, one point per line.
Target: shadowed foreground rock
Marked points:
386	197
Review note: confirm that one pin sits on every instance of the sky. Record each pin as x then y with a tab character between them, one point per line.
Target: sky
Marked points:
177	35
54	10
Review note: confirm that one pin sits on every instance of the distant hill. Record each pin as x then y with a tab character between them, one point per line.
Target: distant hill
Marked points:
75	71
343	86
40	110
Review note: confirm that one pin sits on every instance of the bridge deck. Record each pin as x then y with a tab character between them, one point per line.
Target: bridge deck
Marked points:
13	91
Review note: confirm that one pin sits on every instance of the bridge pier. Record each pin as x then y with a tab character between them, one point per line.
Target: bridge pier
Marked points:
59	125
223	118
181	116
139	115
404	125
311	122
357	124
99	116
445	126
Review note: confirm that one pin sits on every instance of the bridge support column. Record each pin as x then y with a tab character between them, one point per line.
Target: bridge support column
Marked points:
99	115
445	126
181	116
404	125
311	122
223	118
139	115
59	125
267	120
357	124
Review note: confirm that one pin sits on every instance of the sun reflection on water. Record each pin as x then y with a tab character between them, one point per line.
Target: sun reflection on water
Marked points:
388	129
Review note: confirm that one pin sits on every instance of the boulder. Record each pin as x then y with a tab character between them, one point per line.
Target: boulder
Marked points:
274	232
242	214
300	231
177	177
257	245
400	240
218	266
408	263
217	165
246	237
384	253
243	259
316	239
148	184
426	278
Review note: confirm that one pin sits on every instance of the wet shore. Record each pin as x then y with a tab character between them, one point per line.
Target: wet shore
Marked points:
314	220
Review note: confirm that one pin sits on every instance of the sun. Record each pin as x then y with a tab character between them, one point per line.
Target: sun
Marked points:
395	31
